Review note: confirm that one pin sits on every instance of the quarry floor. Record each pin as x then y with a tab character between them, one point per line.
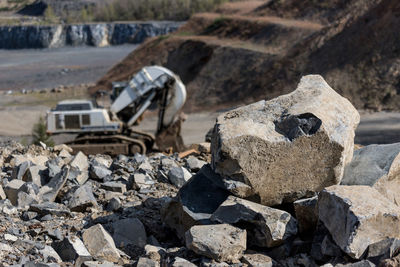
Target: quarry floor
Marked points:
48	68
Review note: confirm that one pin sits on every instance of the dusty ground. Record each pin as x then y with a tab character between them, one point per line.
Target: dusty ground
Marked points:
18	114
47	68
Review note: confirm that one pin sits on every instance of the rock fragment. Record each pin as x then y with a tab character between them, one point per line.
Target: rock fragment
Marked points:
179	176
145	262
11	190
100	243
129	232
376	166
36	175
194	164
358	216
221	242
385	249
304	140
179	262
114	187
258	260
72	249
80	162
195	202
81	197
306	214
266	227
49	192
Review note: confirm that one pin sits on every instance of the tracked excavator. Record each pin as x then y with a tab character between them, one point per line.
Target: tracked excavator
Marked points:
110	130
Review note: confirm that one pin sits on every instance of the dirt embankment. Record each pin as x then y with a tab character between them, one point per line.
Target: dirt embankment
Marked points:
259	49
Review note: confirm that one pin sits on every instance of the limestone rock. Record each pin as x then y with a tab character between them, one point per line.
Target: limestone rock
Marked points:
81	197
382	250
35	174
145	262
221	242
72	249
377	166
179	262
81	163
2	193
266	227
195	202
142	181
358	216
100	244
258	260
12	189
179	176
306	214
49	192
289	147
114	187
129	232
194	164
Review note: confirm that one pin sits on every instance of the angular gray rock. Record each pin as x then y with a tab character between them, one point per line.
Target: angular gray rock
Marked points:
194	164
377	166
179	176
145	262
35	174
179	262
363	263
129	232
80	162
266	227
81	197
49	254
20	170
99	172
114	187
12	189
49	192
358	216
100	243
51	208
385	249
289	147
306	211
2	193
258	260
142	181
221	242
195	202
72	249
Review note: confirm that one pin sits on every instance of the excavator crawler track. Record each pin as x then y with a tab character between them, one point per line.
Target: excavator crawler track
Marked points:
110	144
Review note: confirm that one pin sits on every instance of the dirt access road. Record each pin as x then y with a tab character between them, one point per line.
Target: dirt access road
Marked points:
48	68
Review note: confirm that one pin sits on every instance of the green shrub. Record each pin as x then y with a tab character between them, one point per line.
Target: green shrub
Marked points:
39	133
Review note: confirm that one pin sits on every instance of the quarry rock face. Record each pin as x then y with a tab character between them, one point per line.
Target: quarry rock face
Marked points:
289	147
358	216
98	35
377	166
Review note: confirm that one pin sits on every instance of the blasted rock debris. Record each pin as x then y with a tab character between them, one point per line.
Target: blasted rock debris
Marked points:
270	196
306	136
376	166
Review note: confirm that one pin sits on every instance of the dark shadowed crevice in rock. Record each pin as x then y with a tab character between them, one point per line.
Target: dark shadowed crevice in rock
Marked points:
293	126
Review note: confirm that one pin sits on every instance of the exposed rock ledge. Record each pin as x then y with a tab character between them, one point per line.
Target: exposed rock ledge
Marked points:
103	34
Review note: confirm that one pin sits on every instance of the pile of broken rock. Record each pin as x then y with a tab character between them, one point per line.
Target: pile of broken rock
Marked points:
283	188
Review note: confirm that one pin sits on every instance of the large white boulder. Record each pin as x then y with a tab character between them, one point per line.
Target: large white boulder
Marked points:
286	148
